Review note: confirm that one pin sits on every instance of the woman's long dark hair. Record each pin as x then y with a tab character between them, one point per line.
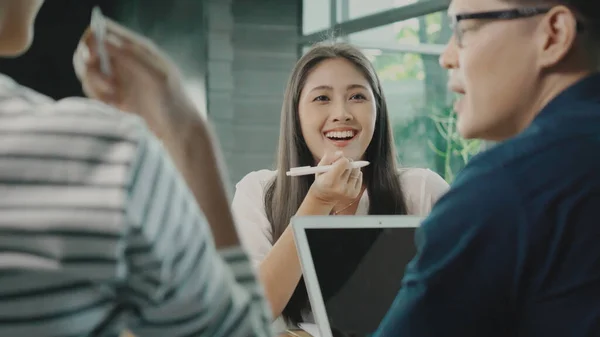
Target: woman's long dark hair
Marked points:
284	195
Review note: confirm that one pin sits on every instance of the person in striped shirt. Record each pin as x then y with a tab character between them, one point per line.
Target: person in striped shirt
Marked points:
102	231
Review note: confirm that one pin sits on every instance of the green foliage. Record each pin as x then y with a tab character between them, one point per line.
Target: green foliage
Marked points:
428	136
453	149
408	34
399	67
434	134
434	27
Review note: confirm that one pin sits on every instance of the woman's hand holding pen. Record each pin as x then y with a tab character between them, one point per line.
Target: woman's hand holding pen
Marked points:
341	184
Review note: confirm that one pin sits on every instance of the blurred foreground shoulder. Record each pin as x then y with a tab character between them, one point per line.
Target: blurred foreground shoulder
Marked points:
255	182
80	141
422	189
33	114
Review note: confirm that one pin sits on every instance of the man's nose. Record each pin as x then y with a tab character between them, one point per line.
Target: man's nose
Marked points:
449	58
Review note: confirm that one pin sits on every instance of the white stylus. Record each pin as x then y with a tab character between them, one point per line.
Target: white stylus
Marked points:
98	25
306	170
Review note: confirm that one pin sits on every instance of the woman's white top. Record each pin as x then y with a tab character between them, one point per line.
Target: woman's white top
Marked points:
422	188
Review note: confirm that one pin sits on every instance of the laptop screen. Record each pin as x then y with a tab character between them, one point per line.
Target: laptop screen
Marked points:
359	271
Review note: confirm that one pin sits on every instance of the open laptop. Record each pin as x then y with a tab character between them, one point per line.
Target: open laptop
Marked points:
355	275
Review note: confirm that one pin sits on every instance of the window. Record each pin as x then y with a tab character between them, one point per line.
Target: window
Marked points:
316	16
353	9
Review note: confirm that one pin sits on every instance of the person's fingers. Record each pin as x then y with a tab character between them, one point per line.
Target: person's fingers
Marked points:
353	176
359	181
94	83
350	183
356	180
80	58
121	42
86	57
340	170
88	40
86	37
348	173
327	159
98	87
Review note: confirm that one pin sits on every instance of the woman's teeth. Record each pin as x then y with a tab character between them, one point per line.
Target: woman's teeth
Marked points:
340	134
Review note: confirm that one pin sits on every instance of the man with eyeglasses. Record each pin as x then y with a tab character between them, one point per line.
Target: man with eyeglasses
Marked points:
513	249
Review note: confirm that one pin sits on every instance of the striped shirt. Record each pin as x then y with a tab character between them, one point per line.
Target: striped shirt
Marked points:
99	233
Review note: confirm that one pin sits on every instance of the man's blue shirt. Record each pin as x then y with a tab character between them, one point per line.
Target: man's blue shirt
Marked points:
513	249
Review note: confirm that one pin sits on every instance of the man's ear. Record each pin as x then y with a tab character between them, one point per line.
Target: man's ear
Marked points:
556	35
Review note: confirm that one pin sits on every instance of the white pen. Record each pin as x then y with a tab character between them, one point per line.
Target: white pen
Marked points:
306	170
98	25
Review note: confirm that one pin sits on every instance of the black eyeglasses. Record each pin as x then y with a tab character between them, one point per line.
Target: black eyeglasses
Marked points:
510	14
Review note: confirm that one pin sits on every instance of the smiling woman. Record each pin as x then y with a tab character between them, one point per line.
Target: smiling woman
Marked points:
334	111
339	115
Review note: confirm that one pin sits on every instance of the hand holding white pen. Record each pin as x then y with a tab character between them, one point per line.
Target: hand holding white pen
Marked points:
341	182
130	72
306	170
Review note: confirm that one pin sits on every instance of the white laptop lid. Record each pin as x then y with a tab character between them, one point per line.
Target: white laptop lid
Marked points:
353	278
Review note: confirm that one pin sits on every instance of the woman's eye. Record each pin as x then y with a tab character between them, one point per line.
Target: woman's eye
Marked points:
321	98
359	97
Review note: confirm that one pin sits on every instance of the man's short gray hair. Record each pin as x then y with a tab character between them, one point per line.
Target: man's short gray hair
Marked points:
588	15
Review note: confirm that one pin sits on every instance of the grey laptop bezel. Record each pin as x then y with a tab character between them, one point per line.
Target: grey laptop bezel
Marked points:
301	223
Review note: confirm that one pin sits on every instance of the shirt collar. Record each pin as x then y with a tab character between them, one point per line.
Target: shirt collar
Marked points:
584	91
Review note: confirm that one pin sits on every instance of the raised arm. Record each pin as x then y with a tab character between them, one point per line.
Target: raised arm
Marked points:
278	264
145	82
197	157
177	281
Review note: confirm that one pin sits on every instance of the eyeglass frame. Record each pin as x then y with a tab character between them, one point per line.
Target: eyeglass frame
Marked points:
507	14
